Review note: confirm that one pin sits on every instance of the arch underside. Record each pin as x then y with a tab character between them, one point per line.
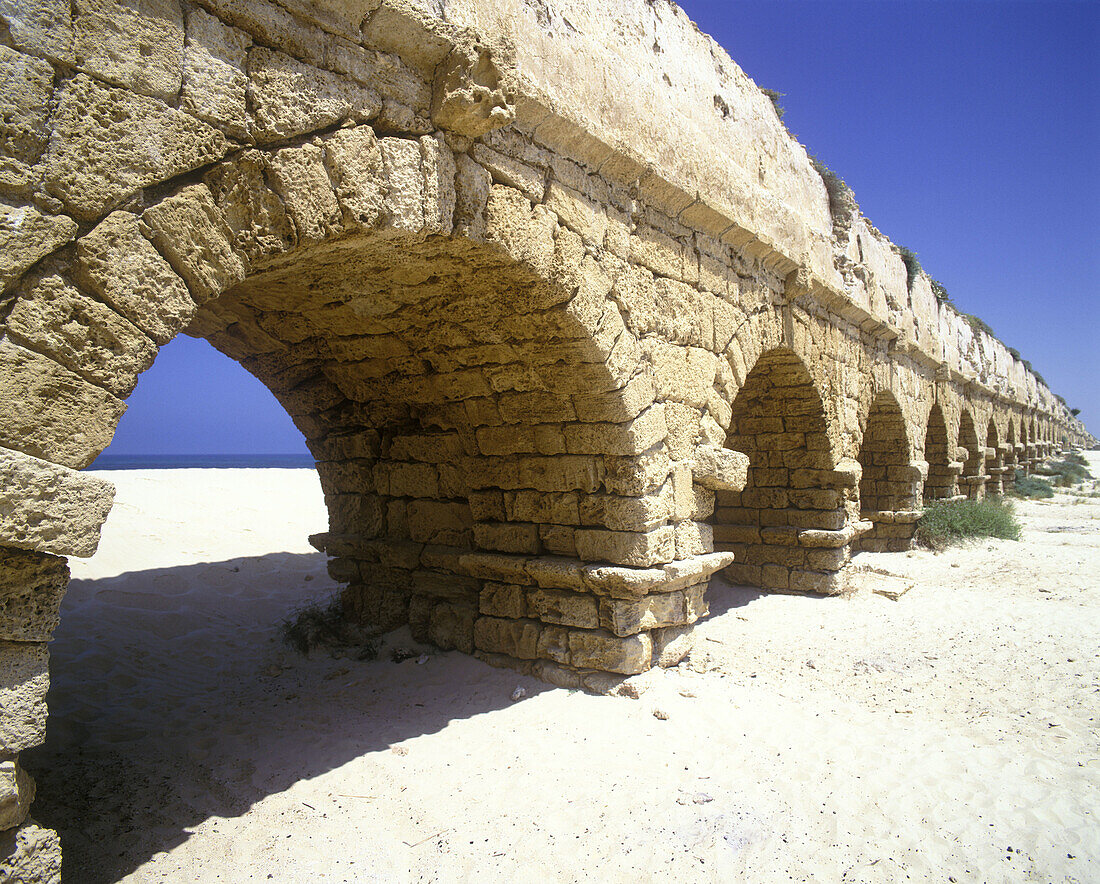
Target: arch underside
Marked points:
788	528
889	486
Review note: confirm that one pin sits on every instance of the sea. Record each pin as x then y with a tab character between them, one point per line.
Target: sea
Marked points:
202	461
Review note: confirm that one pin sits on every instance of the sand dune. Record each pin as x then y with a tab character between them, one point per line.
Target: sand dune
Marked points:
948	735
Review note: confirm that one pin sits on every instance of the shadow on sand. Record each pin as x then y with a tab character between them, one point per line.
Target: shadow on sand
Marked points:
174	699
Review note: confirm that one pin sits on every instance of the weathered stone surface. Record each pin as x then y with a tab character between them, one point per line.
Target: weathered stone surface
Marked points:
38	408
190	232
50	508
137	44
30	855
599	650
81	333
563	608
116	262
473	93
31	588
293	98
720	469
27	235
40	27
16	794
353	159
640	549
253	212
26	84
108	143
298	176
24	680
215	82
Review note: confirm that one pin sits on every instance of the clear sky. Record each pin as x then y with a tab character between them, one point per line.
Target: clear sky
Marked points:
969	131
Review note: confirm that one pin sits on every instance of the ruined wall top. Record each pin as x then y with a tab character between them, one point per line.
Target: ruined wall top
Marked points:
634	90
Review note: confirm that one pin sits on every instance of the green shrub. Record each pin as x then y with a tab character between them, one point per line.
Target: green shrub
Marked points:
978	324
775	96
947	522
1065	473
939	291
326	624
1031	486
912	265
1077	458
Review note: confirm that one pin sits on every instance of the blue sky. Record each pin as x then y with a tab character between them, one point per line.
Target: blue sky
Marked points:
970	132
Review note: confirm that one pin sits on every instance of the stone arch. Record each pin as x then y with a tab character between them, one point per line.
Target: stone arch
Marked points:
889	485
943	470
994	460
788	527
972	480
1011	455
472	396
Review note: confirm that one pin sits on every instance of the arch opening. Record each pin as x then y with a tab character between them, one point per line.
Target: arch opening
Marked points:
972	480
788	527
994	460
889	486
943	470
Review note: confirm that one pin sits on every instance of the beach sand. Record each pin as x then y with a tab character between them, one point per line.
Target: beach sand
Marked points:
948	735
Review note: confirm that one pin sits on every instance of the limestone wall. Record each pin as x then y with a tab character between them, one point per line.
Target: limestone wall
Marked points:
558	361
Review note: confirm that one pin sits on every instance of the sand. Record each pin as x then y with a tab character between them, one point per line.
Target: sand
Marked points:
948	735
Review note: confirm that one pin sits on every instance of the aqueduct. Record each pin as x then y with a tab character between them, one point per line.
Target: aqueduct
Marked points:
569	321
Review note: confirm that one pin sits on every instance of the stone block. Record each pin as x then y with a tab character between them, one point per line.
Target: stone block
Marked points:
16	794
136	45
405	199
189	230
627	513
475	89
30	855
452	626
353	158
292	98
693	539
672	644
81	333
544	507
625	617
31	588
26	236
503	600
635	476
558	540
50	412
447	523
107	143
26	84
563	608
633	437
511	171
215	82
511	537
24	680
617	406
438	165
298	175
596	649
117	263
640	549
516	638
720	468
40	27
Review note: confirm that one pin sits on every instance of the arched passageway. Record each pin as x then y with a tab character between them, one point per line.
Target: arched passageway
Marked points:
1011	457
889	486
994	460
788	527
943	470
972	480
